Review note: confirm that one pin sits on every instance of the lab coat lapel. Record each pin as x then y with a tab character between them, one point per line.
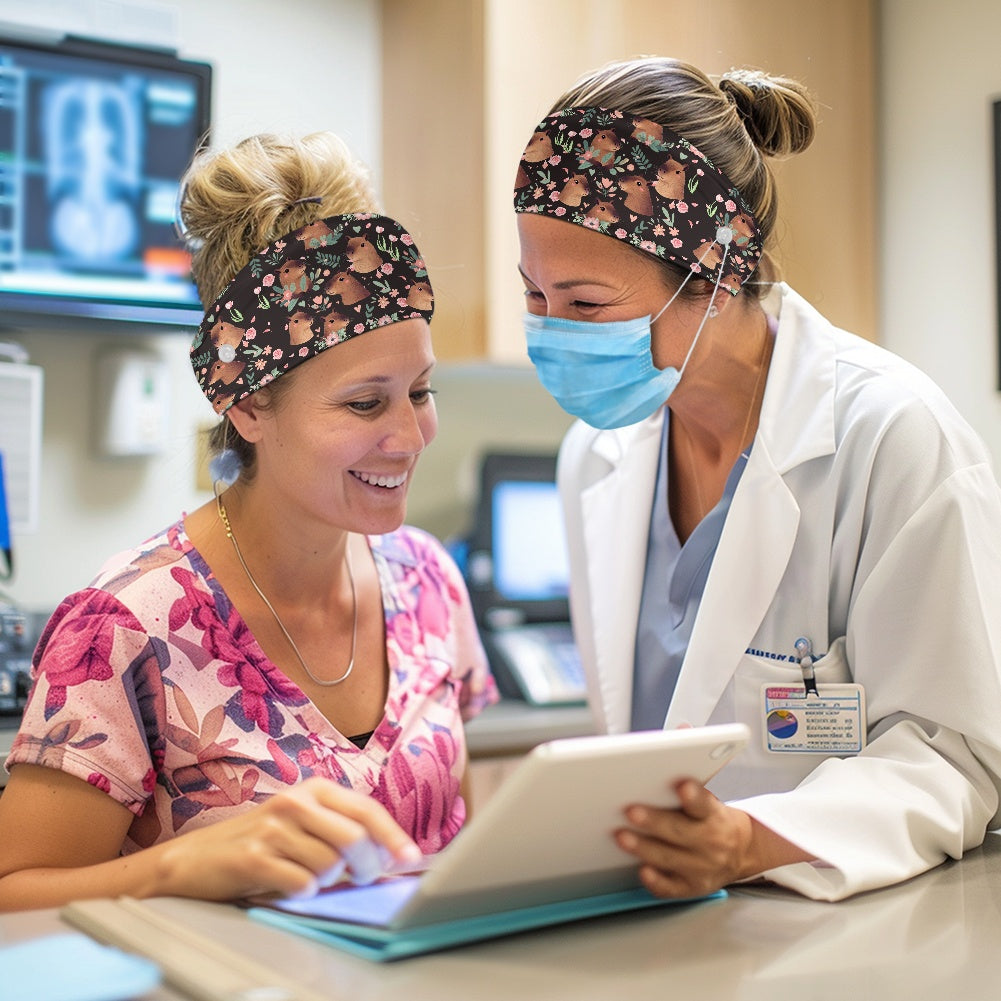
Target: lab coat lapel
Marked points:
616	520
752	556
796	425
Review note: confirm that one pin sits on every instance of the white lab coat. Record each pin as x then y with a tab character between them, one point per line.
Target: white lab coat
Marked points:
868	510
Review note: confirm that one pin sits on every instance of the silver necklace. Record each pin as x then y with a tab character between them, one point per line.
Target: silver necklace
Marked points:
281	625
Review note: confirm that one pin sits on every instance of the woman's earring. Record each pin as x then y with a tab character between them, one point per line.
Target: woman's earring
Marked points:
713	312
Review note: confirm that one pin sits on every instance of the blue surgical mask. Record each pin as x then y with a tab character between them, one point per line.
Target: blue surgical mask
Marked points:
602	373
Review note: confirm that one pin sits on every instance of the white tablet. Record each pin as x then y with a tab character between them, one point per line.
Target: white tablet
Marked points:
546	834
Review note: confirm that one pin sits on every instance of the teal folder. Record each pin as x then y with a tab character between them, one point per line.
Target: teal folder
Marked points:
383	943
540	852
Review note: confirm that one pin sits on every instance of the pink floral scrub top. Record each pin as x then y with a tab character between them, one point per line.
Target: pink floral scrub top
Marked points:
150	686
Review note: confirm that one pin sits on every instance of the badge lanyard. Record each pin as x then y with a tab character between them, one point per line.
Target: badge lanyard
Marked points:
812	718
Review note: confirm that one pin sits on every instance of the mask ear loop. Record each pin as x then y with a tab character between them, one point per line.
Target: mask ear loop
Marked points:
680	287
723	237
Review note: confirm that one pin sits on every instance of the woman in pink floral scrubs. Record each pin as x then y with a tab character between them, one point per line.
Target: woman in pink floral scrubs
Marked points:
272	689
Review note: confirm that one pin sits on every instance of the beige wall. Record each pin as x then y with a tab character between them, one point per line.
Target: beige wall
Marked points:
432	100
939	76
533	50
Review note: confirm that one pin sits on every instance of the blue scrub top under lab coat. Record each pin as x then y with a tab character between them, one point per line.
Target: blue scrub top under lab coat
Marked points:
673	585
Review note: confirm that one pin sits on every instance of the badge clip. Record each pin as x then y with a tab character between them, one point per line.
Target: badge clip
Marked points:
804	651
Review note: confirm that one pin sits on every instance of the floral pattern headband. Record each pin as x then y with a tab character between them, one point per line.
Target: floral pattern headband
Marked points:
641	183
325	283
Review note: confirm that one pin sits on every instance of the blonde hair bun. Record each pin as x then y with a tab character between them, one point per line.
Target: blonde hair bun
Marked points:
236	201
779	113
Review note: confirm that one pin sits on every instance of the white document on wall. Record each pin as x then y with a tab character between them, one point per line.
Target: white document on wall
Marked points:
21	442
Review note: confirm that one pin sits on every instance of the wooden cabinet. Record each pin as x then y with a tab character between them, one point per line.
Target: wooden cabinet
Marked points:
464	81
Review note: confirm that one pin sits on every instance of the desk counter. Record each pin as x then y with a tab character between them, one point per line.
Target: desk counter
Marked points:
514	727
933	937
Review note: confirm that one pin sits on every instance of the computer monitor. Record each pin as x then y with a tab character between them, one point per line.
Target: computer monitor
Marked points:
94	139
530	558
517	561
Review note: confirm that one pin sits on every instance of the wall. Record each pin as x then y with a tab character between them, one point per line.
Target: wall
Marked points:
278	67
940	74
432	117
825	199
491	68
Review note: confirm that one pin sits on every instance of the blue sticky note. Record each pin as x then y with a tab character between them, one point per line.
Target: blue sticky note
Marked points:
4	520
72	967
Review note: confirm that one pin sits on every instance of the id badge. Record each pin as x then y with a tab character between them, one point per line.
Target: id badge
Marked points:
830	722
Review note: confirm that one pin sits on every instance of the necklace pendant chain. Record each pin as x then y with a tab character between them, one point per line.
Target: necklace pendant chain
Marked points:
224	518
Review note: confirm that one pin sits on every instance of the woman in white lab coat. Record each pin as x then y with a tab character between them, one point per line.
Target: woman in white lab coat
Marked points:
804	539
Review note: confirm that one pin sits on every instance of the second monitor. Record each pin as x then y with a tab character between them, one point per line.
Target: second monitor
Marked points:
518	577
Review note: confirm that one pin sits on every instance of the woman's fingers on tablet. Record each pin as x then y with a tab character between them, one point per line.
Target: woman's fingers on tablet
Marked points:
362	832
378	825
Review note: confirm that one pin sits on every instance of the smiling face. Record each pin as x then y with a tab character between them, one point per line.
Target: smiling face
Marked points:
339	448
572	272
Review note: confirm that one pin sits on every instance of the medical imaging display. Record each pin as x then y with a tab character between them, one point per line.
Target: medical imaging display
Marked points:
93	141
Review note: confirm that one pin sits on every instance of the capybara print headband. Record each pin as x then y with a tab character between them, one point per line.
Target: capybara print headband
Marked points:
641	183
324	283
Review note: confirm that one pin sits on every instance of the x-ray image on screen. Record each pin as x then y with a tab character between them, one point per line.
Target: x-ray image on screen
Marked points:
93	134
94	140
